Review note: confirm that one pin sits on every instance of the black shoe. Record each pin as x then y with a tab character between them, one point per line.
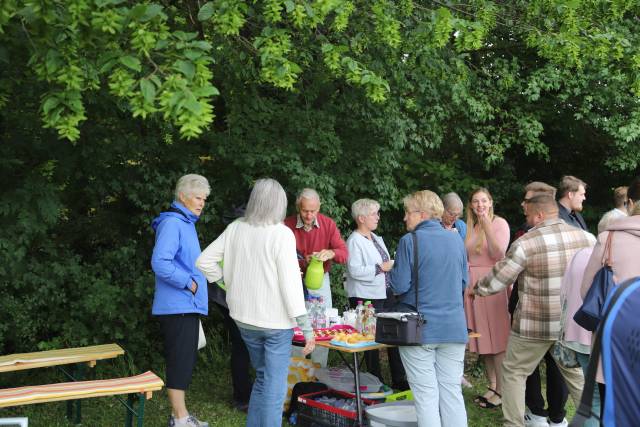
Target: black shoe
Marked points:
241	406
400	386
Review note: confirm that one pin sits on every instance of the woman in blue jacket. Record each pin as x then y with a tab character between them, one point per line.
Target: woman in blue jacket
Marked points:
434	368
180	296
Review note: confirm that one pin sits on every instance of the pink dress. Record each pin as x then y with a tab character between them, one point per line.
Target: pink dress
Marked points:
488	316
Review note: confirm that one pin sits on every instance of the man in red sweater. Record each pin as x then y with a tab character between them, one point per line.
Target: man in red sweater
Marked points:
319	236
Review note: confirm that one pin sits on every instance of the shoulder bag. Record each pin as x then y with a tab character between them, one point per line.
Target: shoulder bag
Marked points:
589	314
402	328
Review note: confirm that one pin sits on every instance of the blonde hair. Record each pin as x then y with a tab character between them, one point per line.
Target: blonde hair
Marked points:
472	219
424	201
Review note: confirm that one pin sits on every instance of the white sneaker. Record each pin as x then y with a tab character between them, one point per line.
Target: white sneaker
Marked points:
533	420
564	423
190	422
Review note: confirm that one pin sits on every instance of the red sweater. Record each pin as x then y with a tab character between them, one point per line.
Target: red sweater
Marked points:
327	236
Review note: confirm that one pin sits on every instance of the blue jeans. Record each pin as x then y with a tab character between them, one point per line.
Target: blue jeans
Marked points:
434	372
269	351
583	360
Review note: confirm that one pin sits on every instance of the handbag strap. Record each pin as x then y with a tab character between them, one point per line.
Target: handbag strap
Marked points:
414	271
607	259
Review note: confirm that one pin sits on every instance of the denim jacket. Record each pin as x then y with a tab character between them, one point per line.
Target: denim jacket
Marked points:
443	276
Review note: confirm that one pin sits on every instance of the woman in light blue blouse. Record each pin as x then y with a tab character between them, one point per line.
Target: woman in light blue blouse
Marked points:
368	268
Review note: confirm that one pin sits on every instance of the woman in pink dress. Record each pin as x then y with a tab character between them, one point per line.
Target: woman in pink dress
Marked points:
486	243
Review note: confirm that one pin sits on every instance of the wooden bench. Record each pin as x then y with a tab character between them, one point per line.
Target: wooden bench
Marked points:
42	359
141	386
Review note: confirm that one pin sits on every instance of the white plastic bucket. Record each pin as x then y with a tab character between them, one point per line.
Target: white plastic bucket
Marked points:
393	414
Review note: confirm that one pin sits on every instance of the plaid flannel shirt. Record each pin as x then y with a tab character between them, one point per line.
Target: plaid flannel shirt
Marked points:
537	260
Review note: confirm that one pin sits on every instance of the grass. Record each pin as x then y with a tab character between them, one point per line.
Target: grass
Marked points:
208	398
480	417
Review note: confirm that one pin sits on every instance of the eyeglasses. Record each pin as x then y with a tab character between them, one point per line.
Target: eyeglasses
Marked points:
454	214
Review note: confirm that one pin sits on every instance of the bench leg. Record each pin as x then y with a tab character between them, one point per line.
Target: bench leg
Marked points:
128	421
132	411
79	371
141	400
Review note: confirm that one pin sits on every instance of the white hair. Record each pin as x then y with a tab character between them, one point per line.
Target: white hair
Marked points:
363	207
191	185
452	200
309	194
267	203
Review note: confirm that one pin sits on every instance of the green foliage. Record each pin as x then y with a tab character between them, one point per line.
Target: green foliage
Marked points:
77	47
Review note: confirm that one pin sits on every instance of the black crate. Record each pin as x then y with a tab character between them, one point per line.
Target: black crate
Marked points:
316	414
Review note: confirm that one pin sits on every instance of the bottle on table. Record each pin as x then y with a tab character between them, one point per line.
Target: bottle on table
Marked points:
322	314
359	315
312	311
370	324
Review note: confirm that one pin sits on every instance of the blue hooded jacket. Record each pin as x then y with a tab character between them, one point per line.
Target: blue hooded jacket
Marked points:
174	264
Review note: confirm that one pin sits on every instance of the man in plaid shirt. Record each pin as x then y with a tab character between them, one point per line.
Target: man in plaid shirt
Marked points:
537	260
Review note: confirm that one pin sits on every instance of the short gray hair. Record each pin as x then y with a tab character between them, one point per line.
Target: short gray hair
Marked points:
309	194
192	184
363	207
451	200
267	203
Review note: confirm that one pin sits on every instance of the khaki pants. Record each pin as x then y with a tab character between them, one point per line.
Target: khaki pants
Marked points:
523	355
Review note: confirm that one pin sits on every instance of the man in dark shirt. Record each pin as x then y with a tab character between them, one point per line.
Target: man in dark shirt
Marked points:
572	193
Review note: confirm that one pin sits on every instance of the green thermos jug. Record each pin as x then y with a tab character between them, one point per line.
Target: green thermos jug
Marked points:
315	274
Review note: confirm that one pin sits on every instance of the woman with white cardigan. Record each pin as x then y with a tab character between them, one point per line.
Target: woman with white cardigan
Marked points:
368	279
264	294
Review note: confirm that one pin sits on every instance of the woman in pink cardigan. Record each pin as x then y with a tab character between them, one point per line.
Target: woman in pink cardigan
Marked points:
573	335
625	246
